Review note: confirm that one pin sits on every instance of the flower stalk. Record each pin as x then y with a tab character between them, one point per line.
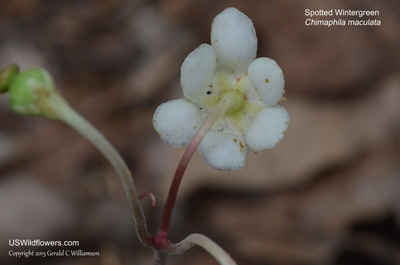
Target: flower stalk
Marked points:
192	240
81	125
229	103
211	247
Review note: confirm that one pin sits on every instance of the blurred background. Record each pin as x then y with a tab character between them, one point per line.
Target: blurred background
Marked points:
328	194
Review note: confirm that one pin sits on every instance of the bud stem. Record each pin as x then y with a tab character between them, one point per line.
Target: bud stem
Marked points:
81	125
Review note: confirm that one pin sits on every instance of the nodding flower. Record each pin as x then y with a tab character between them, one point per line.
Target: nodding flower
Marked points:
227	66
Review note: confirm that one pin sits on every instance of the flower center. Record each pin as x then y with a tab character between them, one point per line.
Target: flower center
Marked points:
235	101
239	110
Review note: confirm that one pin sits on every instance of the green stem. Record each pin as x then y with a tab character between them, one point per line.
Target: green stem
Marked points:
207	244
81	125
160	258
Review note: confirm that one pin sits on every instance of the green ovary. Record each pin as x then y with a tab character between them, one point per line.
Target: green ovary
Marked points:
235	100
232	90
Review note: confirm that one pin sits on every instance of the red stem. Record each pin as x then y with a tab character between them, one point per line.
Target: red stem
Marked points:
162	235
176	181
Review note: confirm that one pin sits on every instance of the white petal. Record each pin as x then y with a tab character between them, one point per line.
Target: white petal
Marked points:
197	71
177	121
234	40
224	151
268	128
267	78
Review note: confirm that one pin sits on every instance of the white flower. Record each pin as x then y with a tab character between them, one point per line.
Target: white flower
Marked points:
207	74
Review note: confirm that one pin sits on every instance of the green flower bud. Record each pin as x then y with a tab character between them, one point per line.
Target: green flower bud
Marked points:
6	76
33	93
